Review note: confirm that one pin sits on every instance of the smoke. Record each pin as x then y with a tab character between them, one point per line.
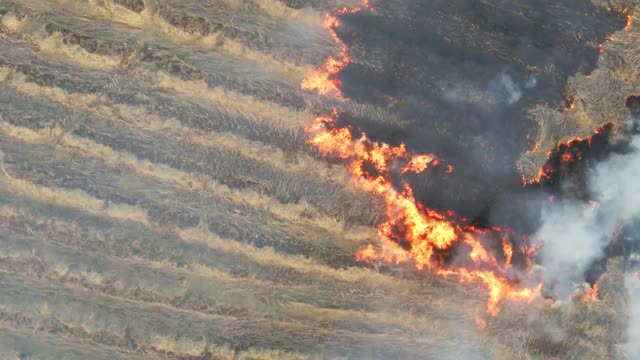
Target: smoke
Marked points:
632	346
512	92
572	240
615	182
531	82
576	235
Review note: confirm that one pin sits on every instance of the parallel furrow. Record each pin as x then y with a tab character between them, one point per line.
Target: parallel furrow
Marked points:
183	333
28	252
269	276
227	168
63	33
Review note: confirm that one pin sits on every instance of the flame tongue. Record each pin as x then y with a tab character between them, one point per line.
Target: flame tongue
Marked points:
413	233
324	80
569	153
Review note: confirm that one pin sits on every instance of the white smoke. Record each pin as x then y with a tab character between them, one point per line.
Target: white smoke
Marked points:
615	185
513	92
572	241
531	82
575	234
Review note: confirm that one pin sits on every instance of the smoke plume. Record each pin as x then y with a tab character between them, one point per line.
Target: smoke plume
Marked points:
579	236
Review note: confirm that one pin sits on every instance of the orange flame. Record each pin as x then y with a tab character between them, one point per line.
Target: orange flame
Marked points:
324	80
568	151
507	250
419	163
449	169
627	26
591	295
629	19
567	157
430	236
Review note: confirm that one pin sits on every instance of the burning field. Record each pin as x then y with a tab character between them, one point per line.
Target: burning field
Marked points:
302	179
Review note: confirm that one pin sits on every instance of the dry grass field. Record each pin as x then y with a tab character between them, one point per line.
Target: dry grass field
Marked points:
158	199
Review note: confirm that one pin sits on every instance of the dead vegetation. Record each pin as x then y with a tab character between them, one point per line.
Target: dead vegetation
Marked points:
596	98
158	200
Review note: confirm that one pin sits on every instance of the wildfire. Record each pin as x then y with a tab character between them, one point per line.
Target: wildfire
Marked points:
419	163
628	22
566	154
325	80
591	295
570	102
414	234
629	19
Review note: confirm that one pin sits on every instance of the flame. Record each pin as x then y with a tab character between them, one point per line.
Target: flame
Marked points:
628	22
412	233
324	80
591	295
449	169
419	163
629	19
566	153
507	250
570	102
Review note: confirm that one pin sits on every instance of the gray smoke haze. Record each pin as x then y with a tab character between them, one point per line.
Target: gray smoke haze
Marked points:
572	241
512	91
576	234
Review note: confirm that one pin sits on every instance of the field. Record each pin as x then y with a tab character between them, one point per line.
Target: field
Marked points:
158	199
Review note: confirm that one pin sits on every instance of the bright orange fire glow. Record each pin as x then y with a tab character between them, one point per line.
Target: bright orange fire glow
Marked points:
419	163
507	250
591	295
324	80
449	169
627	26
567	152
567	157
412	233
629	20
